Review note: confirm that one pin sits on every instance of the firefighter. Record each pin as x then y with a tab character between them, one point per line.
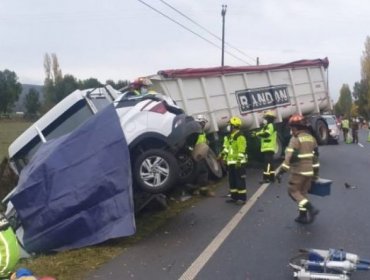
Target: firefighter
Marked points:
235	156
299	160
354	127
202	169
268	146
141	86
9	248
345	128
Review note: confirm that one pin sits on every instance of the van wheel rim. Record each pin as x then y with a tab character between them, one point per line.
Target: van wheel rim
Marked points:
154	171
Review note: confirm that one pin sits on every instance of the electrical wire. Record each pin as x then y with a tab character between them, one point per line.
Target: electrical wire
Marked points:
205	29
188	29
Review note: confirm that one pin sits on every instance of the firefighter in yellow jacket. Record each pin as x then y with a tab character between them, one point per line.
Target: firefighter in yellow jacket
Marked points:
268	138
299	161
9	248
234	154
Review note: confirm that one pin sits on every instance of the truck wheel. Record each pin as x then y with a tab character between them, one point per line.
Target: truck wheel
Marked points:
155	171
214	167
187	168
322	132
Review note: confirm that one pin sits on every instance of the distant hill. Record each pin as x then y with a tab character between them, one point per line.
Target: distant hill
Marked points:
19	105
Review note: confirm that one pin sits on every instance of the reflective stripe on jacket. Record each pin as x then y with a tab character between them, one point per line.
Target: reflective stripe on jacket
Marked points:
202	138
299	155
9	252
268	138
235	148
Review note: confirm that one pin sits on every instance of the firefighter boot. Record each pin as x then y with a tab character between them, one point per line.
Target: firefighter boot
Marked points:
312	211
302	217
272	177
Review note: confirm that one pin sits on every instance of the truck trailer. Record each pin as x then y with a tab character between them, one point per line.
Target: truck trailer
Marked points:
248	91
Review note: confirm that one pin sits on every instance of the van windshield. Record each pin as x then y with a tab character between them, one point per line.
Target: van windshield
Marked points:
65	123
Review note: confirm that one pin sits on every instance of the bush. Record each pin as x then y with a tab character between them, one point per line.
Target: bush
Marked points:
8	179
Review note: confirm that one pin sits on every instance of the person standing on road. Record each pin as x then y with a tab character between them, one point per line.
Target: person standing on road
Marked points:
234	154
345	128
202	169
355	127
268	145
299	161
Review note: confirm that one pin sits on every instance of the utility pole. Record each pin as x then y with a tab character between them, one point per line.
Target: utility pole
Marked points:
223	13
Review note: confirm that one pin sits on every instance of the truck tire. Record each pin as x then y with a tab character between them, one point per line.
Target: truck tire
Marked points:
187	168
321	132
155	171
214	166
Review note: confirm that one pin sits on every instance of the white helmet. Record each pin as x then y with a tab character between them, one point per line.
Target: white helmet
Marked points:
201	119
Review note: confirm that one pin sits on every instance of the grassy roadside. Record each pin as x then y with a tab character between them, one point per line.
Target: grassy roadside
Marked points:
76	264
10	129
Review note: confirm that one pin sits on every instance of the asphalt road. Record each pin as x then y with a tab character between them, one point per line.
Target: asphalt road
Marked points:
215	240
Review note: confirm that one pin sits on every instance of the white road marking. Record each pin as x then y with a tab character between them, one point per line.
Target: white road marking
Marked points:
204	257
360	145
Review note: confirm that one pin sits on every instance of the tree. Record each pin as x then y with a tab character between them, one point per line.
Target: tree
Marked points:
344	104
360	91
10	90
53	76
89	83
64	87
32	103
365	75
120	84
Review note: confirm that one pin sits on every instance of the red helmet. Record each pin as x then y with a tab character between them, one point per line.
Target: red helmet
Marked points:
297	120
139	82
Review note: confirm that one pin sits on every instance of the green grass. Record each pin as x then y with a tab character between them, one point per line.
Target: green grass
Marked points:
10	129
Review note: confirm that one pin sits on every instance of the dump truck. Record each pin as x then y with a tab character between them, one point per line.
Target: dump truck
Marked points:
248	91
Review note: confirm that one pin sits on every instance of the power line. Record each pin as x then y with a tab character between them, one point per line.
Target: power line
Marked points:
205	29
188	29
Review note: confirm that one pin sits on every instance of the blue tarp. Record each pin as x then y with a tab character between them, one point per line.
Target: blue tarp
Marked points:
77	189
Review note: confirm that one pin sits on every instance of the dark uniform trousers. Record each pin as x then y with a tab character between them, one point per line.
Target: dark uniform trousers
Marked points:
268	166
237	185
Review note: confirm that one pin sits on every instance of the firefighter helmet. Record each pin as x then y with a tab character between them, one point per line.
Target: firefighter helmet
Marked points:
201	118
139	82
269	114
235	121
297	120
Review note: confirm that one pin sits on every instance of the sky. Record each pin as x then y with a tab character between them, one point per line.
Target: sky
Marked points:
125	39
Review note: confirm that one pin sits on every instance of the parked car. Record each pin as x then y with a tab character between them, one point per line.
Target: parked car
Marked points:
334	128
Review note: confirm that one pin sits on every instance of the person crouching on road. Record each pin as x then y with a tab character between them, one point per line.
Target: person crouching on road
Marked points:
299	161
268	145
235	156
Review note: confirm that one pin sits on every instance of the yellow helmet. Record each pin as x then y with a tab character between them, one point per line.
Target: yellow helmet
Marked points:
235	121
269	114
